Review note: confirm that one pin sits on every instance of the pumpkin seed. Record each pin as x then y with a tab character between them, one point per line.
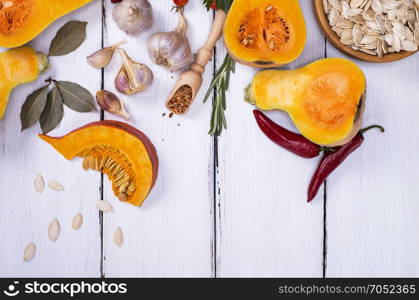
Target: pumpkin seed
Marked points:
39	183
77	222
104	206
29	252
55	186
379	26
271	45
122	197
86	163
118	237
54	230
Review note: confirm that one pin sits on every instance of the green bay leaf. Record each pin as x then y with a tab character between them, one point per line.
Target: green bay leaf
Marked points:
53	112
68	38
76	97
33	107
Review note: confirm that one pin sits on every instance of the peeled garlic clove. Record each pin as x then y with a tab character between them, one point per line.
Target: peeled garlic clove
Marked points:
171	49
103	57
133	16
133	77
109	102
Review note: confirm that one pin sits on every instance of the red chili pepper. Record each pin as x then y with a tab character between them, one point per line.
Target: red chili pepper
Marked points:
180	3
331	160
116	1
289	140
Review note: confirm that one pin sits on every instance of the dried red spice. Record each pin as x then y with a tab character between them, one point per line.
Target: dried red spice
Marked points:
181	100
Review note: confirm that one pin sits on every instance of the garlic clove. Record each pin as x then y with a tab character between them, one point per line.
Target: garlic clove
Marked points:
103	57
133	16
109	102
133	77
171	49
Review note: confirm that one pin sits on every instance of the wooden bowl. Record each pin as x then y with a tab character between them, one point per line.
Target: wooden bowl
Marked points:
335	40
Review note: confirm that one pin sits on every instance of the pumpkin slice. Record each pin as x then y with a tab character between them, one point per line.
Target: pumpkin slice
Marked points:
18	66
23	20
118	150
325	99
265	33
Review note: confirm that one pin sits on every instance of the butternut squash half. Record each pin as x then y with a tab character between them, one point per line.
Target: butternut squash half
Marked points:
18	66
325	99
23	20
118	150
265	33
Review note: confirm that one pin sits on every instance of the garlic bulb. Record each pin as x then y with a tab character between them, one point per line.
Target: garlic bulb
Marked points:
102	57
109	102
133	16
171	49
133	77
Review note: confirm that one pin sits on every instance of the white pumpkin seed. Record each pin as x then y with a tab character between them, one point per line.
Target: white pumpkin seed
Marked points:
39	183
77	222
104	206
376	27
118	237
356	3
55	185
54	230
409	46
29	252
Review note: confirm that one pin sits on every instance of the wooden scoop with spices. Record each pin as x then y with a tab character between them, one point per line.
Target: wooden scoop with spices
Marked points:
190	81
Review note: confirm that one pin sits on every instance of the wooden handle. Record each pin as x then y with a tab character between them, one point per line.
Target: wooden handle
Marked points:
205	53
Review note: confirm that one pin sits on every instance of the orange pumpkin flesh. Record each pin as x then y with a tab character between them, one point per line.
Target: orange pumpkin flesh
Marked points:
23	20
265	33
117	149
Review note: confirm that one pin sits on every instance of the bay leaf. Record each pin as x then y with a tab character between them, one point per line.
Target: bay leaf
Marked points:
76	97
68	38
53	112
33	107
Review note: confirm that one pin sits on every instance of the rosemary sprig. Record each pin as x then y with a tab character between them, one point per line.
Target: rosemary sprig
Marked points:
220	83
221	4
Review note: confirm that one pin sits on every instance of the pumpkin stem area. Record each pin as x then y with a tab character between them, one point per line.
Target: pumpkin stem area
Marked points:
264	28
14	15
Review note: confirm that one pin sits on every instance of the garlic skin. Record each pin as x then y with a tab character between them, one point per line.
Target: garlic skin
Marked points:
109	102
103	57
171	49
133	16
133	77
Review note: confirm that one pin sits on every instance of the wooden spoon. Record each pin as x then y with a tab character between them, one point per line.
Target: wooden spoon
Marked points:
192	78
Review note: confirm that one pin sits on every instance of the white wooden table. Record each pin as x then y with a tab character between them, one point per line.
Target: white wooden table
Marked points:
222	207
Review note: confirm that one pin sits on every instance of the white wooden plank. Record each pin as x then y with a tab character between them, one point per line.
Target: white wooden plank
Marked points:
264	225
373	198
25	214
170	235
